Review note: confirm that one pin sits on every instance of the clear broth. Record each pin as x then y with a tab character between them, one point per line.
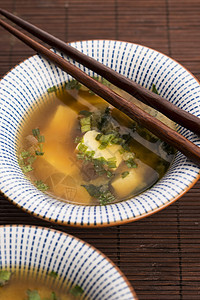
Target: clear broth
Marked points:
65	175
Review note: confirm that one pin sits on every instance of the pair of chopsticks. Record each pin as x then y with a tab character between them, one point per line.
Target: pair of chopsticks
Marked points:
176	114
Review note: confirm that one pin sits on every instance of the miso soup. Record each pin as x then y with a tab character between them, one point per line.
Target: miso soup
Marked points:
15	286
79	149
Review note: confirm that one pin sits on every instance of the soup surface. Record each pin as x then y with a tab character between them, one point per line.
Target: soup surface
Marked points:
80	149
16	287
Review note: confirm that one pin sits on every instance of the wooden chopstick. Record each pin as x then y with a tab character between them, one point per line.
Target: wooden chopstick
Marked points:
155	126
173	112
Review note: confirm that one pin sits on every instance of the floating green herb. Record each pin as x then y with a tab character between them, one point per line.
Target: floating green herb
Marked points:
41	140
53	274
124	174
41	185
146	134
33	295
76	291
54	296
52	89
85	113
82	148
101	193
154	89
168	148
100	165
78	139
4	277
106	139
27	168
25	154
26	160
105	117
85	124
109	174
73	84
111	162
131	163
36	132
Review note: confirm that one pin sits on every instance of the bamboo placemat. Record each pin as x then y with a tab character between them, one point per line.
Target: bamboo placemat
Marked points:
160	255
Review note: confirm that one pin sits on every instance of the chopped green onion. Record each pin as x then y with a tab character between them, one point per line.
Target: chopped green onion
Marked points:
124	174
53	296
36	132
25	154
98	136
52	89
39	153
101	193
27	168
91	92
33	295
41	185
168	148
111	162
76	291
85	113
154	89
53	274
73	84
80	156
131	163
109	174
31	159
4	277
106	198
41	139
85	124
82	148
78	139
121	151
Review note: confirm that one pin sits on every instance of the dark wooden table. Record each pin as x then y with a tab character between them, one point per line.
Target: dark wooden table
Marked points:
160	255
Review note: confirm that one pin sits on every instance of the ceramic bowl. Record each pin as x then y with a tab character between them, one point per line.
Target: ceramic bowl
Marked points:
24	85
25	249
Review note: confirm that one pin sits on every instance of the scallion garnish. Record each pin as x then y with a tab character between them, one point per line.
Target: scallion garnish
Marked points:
111	162
41	139
33	295
76	291
4	277
101	193
131	163
53	274
82	148
85	124
27	168
154	89
52	89
41	185
78	139
124	174
25	154
85	113
36	132
73	84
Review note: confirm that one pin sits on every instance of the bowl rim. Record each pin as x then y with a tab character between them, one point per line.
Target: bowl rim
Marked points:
80	241
119	222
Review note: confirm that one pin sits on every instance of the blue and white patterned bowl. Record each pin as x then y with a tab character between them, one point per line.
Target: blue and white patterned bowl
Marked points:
27	82
25	249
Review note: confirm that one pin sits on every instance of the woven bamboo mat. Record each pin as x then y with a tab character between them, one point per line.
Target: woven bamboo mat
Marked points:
160	255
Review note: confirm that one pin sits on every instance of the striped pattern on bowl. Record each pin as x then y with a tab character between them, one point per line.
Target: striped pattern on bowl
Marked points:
42	250
23	87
